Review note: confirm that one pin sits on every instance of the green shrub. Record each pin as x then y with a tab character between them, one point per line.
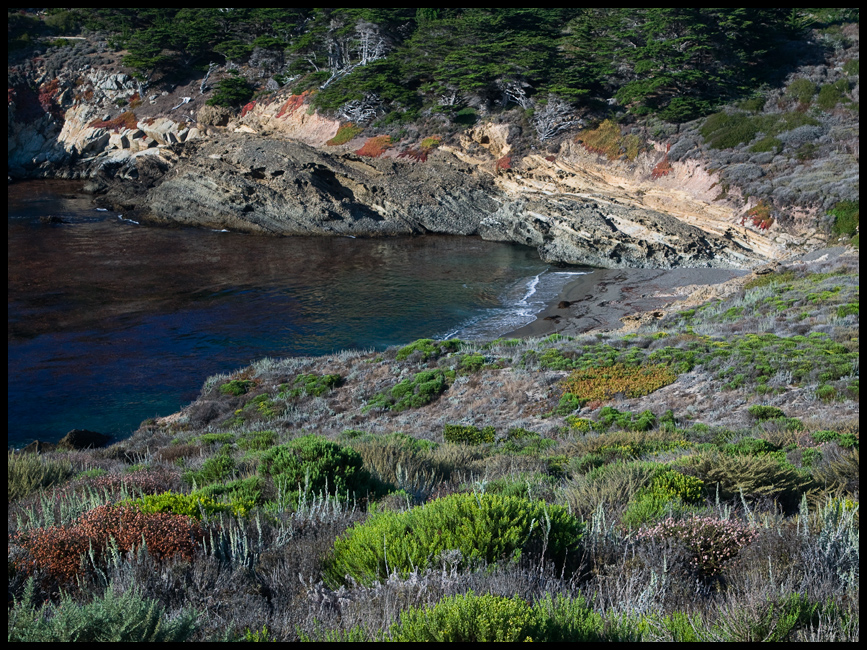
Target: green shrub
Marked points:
316	464
810	456
216	438
768	143
802	90
236	387
264	405
241	494
257	440
423	388
825	436
753	476
345	133
753	104
749	447
832	94
28	473
466	117
128	617
484	527
231	91
428	349
846	218
569	403
626	420
668	491
312	384
472	363
579	424
586	463
191	505
760	412
826	393
216	468
674	485
471	618
468	434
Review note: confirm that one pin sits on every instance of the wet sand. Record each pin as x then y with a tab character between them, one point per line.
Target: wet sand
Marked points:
610	299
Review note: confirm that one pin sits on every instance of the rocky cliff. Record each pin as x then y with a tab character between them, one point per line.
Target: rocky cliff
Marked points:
270	171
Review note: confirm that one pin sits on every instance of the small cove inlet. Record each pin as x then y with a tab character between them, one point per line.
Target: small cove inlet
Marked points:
111	322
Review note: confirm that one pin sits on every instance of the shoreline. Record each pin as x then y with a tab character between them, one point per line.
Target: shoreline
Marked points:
613	299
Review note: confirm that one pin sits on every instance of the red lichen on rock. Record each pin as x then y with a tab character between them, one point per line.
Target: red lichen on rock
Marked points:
247	108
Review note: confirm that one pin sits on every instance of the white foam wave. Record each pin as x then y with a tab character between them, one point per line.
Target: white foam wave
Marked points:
519	305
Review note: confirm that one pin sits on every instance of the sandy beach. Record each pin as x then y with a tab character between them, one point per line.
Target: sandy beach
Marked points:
612	299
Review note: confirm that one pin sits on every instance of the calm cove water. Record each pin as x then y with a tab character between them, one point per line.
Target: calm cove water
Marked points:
110	322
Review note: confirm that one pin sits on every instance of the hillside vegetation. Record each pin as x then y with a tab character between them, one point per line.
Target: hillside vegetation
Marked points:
695	480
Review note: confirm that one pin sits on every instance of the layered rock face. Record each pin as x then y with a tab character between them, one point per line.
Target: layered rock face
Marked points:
270	171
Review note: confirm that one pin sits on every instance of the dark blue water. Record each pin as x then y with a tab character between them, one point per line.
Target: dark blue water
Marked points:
110	323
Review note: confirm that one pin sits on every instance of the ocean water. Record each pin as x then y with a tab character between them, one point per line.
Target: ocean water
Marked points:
111	322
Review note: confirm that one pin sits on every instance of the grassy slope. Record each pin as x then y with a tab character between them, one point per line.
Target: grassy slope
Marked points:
788	479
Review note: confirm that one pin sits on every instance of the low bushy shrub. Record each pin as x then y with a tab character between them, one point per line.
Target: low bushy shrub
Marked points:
419	390
468	434
713	543
57	550
113	618
749	447
626	420
478	619
568	404
315	464
240	495
428	349
216	468
310	384
668	491
760	412
236	387
257	440
483	527
751	476
28	473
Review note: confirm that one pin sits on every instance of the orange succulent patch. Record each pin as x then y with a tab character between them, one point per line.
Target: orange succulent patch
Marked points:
375	147
760	216
293	104
663	167
603	383
344	134
126	120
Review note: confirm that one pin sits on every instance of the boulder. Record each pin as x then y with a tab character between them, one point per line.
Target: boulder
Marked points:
214	115
83	439
38	447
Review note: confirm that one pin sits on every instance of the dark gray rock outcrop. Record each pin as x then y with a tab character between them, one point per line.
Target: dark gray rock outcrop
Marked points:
248	183
244	182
